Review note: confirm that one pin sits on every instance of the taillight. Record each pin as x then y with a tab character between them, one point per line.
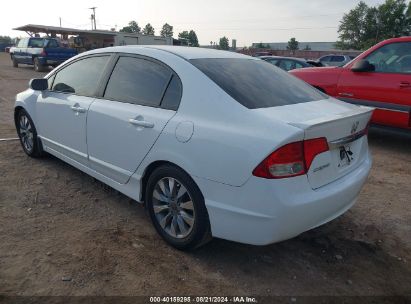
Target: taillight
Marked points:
292	159
43	53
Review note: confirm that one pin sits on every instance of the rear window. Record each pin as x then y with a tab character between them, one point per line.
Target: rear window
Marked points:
256	83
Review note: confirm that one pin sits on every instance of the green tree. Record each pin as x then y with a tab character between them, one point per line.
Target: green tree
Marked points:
364	26
148	30
192	38
223	43
5	40
131	28
188	38
167	30
184	37
292	44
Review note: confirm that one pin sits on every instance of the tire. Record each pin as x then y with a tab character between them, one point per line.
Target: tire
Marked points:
38	67
181	224
28	135
15	63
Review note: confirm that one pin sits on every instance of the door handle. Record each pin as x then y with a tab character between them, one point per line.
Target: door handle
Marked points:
78	109
141	123
405	84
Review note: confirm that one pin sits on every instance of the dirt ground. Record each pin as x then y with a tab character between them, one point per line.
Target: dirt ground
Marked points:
63	233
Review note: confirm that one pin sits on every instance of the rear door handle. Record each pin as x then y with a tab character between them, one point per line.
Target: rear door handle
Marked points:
78	109
405	84
141	123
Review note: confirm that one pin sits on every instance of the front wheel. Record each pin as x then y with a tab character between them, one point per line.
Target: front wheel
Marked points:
28	134
176	207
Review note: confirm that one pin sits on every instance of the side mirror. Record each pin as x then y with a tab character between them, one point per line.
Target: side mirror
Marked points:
39	84
363	66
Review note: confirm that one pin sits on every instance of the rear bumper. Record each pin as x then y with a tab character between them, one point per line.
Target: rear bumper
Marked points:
267	211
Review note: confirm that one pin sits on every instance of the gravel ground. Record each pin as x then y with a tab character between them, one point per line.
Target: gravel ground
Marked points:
65	234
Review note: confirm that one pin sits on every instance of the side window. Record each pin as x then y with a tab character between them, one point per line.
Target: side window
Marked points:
52	43
172	96
287	65
23	43
272	61
337	59
36	42
392	58
298	65
81	77
325	59
138	81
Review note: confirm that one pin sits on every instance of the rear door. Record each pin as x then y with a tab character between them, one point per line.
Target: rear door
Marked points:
62	110
387	89
140	97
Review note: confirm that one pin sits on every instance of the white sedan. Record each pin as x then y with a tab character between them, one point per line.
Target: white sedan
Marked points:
214	143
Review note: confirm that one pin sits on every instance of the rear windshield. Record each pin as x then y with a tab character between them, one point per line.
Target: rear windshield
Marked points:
256	83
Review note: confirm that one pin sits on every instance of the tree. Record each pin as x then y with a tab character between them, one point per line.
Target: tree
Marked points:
131	28
192	38
223	44
5	40
364	26
188	38
292	44
148	30
184	37
167	30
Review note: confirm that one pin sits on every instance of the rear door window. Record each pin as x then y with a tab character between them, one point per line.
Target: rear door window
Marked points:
81	77
138	81
256	83
36	42
337	59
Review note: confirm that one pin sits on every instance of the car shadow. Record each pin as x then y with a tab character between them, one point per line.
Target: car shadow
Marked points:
390	138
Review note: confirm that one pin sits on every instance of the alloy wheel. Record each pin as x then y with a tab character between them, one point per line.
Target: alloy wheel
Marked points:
26	133
173	207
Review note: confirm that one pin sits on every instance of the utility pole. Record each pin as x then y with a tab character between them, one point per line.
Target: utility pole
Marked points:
93	17
60	21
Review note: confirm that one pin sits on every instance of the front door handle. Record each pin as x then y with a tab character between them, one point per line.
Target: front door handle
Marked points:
141	123
405	84
78	109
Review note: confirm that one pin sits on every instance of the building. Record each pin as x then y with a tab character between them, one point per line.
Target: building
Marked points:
313	46
91	39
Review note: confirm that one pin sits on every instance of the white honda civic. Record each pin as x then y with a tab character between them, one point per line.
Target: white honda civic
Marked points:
214	143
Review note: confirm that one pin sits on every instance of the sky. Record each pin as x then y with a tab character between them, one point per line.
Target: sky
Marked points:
247	21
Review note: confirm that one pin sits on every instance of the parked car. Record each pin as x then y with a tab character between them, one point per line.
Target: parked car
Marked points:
287	63
379	78
335	60
214	143
40	52
262	53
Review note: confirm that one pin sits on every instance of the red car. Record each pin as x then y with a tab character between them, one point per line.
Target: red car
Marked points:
379	78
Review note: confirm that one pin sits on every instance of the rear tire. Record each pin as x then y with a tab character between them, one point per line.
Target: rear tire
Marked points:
15	63
176	207
38	67
28	135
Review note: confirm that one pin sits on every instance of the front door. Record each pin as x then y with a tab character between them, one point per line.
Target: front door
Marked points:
62	110
387	89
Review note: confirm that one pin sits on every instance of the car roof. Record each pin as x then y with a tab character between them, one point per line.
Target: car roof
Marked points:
181	51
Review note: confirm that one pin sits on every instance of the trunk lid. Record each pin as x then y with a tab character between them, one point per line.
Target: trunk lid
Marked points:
343	126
